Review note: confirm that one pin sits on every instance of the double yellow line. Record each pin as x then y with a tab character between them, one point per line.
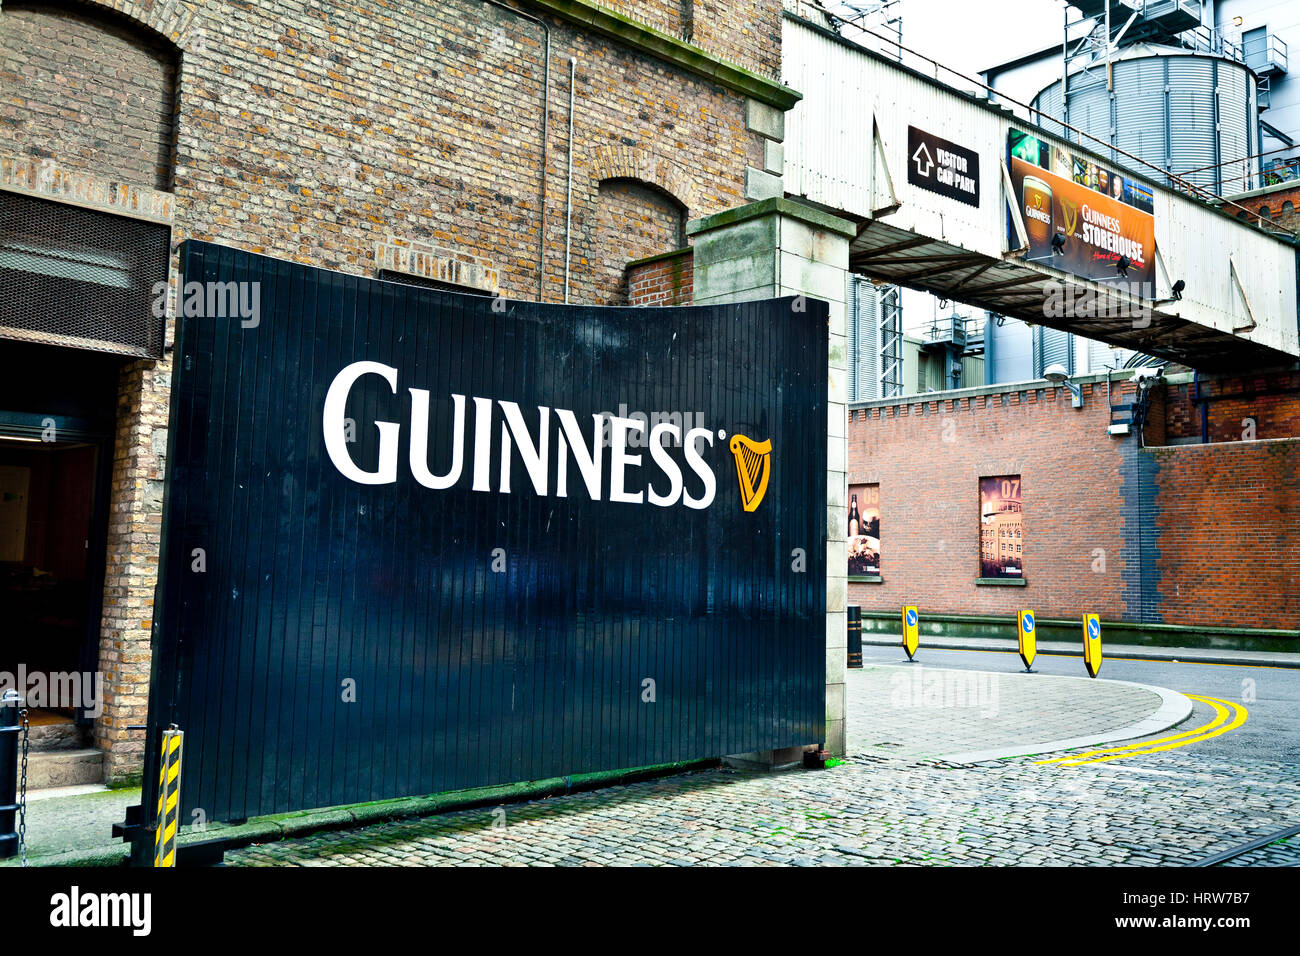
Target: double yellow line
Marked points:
1227	716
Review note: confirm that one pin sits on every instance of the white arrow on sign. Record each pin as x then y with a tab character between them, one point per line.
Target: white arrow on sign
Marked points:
929	163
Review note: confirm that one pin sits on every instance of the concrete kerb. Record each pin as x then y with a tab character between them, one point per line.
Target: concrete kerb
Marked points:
1185	655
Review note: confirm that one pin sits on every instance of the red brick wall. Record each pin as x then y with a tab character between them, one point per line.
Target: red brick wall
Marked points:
1279	206
1204	535
1229	533
669	280
1263	398
928	459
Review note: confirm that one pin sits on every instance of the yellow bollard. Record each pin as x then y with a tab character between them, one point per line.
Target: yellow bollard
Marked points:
1092	643
911	631
169	798
1028	639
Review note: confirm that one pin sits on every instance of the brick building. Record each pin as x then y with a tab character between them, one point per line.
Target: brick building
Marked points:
421	142
1172	539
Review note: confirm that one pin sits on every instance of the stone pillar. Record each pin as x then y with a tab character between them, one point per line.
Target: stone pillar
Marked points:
773	248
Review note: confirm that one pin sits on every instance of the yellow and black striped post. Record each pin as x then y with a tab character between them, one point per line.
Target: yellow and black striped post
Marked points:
169	798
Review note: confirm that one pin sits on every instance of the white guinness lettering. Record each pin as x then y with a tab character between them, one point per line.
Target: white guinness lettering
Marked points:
533	446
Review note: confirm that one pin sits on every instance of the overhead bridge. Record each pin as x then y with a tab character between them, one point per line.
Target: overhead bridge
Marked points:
959	197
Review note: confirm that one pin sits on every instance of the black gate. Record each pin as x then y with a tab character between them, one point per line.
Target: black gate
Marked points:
337	627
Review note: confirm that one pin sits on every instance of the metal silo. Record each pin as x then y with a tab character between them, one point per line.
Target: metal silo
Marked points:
1192	114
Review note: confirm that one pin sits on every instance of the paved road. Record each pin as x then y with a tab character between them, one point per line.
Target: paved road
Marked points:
1171	807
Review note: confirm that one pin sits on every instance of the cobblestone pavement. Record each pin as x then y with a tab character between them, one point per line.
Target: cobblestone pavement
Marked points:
1165	809
1173	807
916	710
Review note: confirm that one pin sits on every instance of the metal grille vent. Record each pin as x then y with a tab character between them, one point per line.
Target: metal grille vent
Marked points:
406	278
79	277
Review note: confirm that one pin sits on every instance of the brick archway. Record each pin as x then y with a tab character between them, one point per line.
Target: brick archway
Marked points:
634	162
168	19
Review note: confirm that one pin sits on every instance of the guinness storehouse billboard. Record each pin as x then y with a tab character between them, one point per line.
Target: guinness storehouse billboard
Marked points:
1101	214
417	541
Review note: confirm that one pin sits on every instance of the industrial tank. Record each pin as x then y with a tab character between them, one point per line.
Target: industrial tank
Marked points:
1176	109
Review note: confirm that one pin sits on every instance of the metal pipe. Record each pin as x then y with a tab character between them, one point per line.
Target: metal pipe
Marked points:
546	111
568	202
1205	409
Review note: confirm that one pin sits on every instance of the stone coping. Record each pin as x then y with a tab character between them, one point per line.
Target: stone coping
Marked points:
665	46
1003	388
776	205
660	256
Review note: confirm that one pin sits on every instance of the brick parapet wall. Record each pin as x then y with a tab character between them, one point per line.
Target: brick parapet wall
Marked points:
664	280
1277	205
928	457
1268	402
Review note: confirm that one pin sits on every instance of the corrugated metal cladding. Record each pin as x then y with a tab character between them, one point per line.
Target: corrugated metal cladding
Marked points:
470	665
864	340
1052	347
828	137
1177	112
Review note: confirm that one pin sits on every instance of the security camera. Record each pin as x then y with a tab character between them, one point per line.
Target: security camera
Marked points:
1145	376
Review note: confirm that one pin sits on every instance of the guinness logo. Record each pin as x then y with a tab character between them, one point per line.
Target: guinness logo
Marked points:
753	469
1070	214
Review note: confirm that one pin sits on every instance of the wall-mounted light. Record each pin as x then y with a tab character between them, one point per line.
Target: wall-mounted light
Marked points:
1057	374
1121	266
1058	244
1179	286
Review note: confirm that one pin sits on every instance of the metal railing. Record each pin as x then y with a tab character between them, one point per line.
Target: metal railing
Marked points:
1266	54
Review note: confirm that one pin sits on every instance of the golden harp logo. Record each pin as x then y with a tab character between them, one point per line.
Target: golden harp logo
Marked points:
753	469
1070	215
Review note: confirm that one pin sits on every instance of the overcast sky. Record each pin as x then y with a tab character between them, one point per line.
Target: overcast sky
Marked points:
972	35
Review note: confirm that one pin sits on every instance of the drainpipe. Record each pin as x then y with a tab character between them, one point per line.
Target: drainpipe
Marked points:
546	110
568	203
1205	409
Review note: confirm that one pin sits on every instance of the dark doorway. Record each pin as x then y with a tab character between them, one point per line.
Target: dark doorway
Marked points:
57	409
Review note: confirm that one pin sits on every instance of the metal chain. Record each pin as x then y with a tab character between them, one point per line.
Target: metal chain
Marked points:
22	790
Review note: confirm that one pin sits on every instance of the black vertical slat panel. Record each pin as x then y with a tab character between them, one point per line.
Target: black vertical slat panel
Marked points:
471	564
223	693
467	677
338	749
412	580
290	627
310	693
